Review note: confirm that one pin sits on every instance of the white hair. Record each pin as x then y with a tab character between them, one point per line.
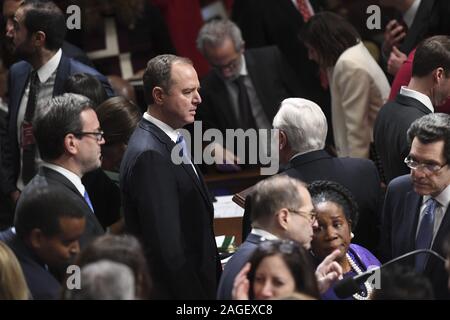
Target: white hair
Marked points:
304	124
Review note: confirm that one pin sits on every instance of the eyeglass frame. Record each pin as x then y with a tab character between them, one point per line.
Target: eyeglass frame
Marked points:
99	135
423	166
311	215
230	65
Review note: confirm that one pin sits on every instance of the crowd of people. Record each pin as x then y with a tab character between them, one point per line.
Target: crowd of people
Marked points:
95	176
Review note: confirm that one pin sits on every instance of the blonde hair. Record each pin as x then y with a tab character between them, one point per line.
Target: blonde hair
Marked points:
12	281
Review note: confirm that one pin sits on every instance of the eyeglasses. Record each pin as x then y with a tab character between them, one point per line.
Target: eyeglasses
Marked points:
311	215
98	135
427	168
283	246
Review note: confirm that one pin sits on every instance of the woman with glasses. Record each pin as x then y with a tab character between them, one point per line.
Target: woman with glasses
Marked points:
337	216
277	269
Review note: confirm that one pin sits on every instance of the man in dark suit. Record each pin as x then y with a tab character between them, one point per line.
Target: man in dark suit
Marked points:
69	139
303	129
48	225
279	22
429	86
419	19
245	87
281	209
167	205
416	213
38	33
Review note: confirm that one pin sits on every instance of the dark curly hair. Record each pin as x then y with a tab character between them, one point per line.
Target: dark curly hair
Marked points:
323	191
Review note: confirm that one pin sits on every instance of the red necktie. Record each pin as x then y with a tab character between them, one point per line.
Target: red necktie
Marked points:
304	10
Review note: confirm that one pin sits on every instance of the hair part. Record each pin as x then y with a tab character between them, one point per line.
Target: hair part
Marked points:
432	53
304	124
158	74
52	121
330	191
297	260
330	35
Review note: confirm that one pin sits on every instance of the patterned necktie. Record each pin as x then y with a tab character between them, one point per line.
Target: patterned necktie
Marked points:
28	143
425	234
245	111
88	200
304	10
184	153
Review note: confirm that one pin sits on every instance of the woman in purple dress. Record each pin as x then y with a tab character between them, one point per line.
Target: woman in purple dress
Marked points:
337	215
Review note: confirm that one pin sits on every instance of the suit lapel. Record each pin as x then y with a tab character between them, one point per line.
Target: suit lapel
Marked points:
412	103
418	27
62	72
19	89
169	144
411	218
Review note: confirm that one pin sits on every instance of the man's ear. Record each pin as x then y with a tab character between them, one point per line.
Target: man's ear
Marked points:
39	38
36	238
71	143
282	217
158	95
283	140
438	74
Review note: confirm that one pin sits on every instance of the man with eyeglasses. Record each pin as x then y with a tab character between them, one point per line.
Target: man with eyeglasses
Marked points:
281	208
428	87
69	140
244	87
416	212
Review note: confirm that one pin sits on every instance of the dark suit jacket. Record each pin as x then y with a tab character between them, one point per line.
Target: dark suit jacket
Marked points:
431	19
18	79
360	176
47	176
400	219
278	22
391	125
271	79
235	264
42	284
168	208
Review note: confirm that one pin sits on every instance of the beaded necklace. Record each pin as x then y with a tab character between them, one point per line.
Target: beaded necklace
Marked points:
358	270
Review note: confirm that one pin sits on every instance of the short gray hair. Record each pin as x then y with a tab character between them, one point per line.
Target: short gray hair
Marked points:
303	122
215	32
104	280
273	194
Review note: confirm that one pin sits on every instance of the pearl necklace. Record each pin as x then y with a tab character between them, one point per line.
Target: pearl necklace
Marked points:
358	270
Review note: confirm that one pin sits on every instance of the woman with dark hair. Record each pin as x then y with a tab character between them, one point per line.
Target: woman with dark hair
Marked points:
358	85
124	249
118	118
86	85
337	216
277	269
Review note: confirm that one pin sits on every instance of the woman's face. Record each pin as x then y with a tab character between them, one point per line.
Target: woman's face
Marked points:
273	279
333	232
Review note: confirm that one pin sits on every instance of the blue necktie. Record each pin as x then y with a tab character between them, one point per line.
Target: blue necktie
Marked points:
86	197
425	234
184	153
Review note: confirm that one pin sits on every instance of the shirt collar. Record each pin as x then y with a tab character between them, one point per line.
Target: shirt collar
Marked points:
45	71
443	198
244	70
418	96
172	133
410	14
264	234
75	179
